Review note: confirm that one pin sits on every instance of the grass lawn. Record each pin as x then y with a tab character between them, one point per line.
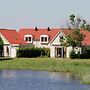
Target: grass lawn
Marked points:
79	66
51	64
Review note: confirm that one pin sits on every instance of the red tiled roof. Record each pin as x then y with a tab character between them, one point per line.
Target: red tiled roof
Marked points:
51	33
86	40
12	36
15	37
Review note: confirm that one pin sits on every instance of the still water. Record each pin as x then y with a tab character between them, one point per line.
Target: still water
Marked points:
39	80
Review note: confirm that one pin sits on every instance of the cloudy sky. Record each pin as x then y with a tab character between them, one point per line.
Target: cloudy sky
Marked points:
16	14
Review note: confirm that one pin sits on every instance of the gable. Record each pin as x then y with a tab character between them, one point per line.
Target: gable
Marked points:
5	41
56	40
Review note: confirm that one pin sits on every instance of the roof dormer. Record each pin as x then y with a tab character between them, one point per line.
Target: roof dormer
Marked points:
28	38
44	38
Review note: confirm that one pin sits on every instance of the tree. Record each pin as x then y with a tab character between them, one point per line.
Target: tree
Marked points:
1	46
75	21
75	38
78	23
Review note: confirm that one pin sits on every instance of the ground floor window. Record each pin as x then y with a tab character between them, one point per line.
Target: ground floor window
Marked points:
7	50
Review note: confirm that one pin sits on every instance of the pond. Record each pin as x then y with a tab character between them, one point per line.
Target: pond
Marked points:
39	80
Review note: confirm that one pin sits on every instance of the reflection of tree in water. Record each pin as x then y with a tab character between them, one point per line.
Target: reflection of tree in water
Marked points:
85	78
67	76
73	76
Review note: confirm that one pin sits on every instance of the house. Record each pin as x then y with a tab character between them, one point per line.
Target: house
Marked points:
11	40
40	37
44	38
52	38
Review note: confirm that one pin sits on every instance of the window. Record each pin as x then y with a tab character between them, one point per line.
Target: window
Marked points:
44	39
61	39
28	38
7	50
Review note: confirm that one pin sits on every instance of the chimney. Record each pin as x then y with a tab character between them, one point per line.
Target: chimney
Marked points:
48	29
36	29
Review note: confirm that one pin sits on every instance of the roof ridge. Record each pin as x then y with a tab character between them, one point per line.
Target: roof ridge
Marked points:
8	29
39	28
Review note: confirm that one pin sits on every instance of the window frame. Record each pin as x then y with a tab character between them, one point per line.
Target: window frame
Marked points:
28	38
45	38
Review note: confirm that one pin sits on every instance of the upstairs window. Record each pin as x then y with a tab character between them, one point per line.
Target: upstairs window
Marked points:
61	39
44	39
28	38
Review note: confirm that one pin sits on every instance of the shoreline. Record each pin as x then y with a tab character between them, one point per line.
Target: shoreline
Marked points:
77	66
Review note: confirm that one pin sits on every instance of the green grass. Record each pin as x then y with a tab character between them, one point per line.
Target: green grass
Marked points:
51	64
81	67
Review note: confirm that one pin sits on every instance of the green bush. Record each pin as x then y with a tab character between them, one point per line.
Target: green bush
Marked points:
73	55
33	52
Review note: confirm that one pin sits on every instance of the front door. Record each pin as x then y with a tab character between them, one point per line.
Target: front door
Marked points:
59	52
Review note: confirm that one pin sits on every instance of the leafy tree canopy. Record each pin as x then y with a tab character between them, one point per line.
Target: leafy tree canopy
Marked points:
75	38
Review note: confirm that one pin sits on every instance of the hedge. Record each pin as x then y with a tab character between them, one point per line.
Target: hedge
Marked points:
33	52
73	55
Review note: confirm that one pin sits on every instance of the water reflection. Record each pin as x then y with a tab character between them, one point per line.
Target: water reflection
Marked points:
67	76
8	74
39	80
51	75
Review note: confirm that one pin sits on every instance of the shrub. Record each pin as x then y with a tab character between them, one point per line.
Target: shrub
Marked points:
73	55
33	52
78	55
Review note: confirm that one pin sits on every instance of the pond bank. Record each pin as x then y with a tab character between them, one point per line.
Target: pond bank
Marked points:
82	67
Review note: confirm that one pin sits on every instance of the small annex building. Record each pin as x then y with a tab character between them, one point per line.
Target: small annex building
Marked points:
11	40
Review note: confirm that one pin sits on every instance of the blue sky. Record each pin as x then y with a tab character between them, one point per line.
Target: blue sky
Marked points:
17	14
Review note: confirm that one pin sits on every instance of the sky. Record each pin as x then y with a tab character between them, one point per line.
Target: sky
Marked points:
16	14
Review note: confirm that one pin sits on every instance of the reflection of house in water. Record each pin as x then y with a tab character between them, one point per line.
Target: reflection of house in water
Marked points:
8	74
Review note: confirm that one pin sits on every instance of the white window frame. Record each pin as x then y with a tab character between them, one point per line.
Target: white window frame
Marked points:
44	36
28	37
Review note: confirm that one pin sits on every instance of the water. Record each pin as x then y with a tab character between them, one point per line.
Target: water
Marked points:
39	80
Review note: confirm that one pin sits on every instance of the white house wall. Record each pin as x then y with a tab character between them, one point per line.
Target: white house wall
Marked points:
69	49
7	54
38	44
52	51
14	51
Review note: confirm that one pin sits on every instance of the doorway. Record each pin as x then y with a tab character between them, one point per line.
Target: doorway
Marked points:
59	52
